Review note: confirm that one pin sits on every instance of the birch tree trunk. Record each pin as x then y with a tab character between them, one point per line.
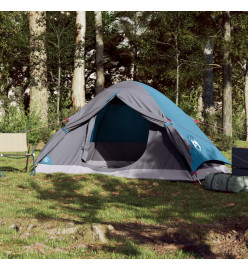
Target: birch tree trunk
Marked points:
199	104
177	65
38	65
2	110
227	87
58	94
78	81
99	52
208	89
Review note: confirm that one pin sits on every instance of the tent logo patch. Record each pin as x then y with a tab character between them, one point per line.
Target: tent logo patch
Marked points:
46	160
195	143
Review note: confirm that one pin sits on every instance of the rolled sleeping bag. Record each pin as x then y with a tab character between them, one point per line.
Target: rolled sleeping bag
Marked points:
226	182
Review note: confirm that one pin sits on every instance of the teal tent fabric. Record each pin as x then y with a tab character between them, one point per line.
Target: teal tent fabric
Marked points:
47	160
202	149
120	123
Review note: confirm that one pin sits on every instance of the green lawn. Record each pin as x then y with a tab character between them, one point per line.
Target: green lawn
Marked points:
37	212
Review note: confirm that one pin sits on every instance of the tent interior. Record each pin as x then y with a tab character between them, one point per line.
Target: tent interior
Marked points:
119	137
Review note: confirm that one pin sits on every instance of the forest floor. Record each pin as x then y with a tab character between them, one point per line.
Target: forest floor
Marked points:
96	216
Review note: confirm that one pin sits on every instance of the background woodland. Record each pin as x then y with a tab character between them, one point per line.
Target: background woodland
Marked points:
52	63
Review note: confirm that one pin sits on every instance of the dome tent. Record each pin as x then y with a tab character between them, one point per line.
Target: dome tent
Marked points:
132	130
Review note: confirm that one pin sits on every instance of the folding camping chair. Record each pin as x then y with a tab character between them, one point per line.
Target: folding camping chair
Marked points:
13	143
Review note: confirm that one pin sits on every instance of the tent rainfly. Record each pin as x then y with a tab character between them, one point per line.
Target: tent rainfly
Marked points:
132	130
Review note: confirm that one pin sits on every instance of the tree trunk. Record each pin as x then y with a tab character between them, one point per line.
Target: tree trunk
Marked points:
208	95
2	110
227	87
177	79
246	100
38	67
135	69
99	52
136	50
199	104
78	81
177	65
59	79
58	94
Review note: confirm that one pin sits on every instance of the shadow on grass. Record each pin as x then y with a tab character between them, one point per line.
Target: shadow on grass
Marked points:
10	169
146	200
158	239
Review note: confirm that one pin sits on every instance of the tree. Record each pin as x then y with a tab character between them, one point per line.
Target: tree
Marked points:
240	67
60	39
38	68
99	52
227	83
78	81
171	41
14	57
118	53
131	25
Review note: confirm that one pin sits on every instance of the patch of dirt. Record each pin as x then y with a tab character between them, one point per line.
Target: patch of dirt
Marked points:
40	145
77	236
226	239
43	249
223	239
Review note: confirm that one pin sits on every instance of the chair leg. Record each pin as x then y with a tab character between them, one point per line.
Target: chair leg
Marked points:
33	171
26	169
2	174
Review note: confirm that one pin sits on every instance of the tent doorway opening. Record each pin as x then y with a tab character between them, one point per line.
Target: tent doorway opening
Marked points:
119	137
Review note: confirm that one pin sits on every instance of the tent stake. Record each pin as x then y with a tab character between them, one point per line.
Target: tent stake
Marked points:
197	178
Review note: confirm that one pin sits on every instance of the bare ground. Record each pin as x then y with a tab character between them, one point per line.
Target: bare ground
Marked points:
223	239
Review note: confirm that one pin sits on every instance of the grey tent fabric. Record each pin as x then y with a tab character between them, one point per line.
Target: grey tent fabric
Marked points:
86	144
83	145
151	112
166	174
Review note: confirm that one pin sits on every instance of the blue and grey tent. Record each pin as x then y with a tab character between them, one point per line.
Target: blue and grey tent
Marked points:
132	130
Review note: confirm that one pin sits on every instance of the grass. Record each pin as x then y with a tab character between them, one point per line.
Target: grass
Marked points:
60	201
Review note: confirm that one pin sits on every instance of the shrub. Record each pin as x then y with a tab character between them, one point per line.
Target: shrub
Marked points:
189	104
223	142
215	133
15	119
239	123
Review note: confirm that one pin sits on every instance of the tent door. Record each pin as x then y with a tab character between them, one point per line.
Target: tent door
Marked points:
119	136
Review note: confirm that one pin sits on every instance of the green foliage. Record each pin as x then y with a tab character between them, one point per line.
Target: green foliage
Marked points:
223	142
60	45
37	133
213	130
188	103
118	52
14	51
15	119
170	36
137	45
239	123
